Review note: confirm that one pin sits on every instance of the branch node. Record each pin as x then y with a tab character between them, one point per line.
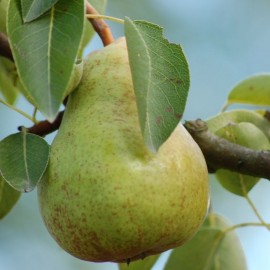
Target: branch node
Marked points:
196	126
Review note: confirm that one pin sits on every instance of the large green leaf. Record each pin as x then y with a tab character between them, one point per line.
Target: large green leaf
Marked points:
245	134
161	80
210	249
23	160
254	90
144	264
45	51
8	197
32	9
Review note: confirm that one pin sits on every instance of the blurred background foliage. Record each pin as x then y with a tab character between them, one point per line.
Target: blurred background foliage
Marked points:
224	42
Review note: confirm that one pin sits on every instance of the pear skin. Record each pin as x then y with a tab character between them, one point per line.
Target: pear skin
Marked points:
105	196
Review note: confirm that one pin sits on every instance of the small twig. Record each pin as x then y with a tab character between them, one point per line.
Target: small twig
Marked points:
100	26
110	18
17	110
246	224
5	50
220	153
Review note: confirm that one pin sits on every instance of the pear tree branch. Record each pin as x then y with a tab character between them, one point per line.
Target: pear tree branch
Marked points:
220	153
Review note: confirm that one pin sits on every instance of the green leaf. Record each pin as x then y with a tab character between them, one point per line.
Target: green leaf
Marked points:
245	134
23	160
8	197
210	249
145	264
3	12
32	9
254	90
9	80
239	116
161	80
45	51
88	31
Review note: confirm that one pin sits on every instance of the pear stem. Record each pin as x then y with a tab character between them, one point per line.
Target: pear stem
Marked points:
99	25
44	128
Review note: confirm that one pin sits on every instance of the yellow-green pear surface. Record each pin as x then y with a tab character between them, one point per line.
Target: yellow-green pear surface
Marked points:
105	196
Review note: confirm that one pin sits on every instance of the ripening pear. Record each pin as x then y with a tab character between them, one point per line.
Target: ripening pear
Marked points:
105	196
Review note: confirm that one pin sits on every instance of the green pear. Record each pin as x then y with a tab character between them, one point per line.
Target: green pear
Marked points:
105	196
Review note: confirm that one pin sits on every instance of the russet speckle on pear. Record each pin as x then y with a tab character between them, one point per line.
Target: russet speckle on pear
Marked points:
105	196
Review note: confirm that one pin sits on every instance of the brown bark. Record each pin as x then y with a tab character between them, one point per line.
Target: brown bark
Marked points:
220	153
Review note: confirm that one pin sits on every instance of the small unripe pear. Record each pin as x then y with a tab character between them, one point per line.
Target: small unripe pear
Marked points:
105	196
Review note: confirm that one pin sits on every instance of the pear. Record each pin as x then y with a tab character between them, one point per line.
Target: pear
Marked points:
105	196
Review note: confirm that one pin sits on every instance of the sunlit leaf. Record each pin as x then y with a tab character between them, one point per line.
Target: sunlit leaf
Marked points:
8	197
3	12
239	116
9	80
254	90
23	160
161	80
210	249
45	51
144	264
245	134
32	9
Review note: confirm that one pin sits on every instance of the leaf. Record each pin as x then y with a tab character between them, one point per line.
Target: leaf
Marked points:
245	134
45	51
88	31
239	116
161	80
8	197
32	9
209	249
254	90
23	160
3	12
145	264
9	80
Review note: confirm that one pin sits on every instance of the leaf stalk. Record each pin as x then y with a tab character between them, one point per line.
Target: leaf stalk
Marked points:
18	111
